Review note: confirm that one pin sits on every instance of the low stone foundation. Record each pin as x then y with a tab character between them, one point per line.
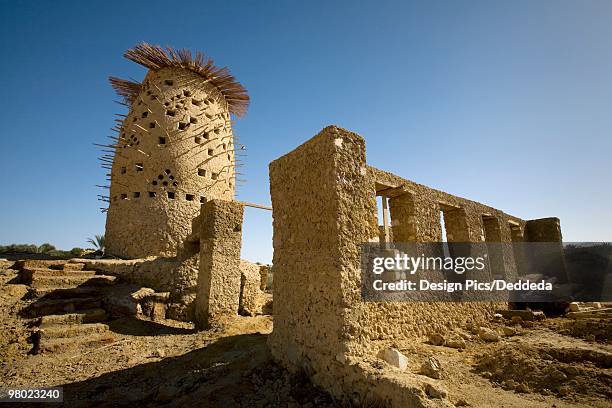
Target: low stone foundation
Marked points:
177	276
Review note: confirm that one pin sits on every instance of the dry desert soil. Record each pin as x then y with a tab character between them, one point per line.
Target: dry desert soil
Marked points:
557	362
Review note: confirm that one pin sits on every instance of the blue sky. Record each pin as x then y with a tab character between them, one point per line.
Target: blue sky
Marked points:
507	103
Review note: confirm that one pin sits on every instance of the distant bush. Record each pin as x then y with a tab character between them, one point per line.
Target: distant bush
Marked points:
46	248
19	248
77	251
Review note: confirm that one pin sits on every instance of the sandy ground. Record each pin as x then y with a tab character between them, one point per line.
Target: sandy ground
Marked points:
168	363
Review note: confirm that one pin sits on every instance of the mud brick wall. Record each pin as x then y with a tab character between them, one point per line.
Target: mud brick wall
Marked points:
543	230
323	208
218	290
415	217
174	151
323	199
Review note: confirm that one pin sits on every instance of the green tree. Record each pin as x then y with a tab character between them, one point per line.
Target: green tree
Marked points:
97	242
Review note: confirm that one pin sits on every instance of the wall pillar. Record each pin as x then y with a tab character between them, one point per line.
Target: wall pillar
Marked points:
491	227
218	291
415	219
548	257
324	207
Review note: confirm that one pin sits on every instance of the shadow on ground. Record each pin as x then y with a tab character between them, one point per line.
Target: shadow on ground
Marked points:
210	376
138	327
234	371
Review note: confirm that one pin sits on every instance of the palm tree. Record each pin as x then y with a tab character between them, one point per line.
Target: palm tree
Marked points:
97	242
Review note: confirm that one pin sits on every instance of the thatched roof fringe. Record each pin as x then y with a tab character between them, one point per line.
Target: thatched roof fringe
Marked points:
155	57
128	90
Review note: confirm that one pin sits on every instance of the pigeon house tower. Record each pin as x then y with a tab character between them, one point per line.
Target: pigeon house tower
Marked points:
173	151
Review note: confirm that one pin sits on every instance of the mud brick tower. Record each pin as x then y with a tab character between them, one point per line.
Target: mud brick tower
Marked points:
173	151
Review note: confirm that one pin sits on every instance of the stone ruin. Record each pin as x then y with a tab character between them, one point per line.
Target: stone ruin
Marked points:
172	200
324	206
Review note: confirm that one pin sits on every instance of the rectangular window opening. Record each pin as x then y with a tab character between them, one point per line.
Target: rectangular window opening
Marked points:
384	230
171	195
445	249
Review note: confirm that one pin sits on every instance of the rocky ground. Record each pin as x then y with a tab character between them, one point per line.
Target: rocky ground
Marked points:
553	363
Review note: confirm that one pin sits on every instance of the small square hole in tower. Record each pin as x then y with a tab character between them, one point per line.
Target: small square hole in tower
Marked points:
214	176
124	196
193	120
123	170
168	82
197	139
139	167
145	114
201	172
152	125
161	140
202	199
171	112
189	197
183	125
136	194
171	195
210	152
152	194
